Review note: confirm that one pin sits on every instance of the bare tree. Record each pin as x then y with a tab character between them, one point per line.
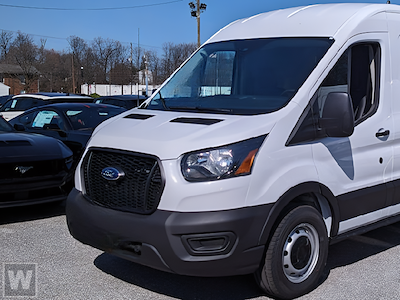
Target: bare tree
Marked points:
120	73
41	51
181	52
5	43
166	61
107	52
52	71
25	54
137	55
91	71
173	56
63	80
153	65
101	61
79	49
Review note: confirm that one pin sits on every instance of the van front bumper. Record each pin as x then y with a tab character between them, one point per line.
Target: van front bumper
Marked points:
219	243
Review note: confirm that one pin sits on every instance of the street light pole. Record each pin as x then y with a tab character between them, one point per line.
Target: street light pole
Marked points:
82	81
196	10
198	23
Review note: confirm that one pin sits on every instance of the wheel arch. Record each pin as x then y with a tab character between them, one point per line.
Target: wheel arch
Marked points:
311	193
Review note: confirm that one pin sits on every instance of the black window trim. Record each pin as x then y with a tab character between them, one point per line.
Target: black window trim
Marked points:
314	133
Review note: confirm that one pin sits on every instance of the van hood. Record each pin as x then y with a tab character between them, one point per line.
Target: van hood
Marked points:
168	134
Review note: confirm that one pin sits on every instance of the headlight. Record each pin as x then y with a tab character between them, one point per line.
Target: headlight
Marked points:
65	151
222	162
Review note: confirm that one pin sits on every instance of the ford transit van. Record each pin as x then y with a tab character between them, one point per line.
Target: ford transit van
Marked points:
278	136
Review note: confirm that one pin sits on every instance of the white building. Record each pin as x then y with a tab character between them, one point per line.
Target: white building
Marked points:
113	89
129	89
4	89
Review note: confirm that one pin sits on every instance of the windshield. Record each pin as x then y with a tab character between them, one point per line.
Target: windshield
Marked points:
242	77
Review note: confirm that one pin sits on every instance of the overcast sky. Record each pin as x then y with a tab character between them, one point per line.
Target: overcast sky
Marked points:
151	23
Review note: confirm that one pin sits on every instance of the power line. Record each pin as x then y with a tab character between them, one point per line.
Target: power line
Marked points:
87	9
39	35
65	39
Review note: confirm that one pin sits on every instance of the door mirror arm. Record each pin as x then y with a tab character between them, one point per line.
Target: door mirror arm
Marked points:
19	127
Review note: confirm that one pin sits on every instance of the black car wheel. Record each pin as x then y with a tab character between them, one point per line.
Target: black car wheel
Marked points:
296	255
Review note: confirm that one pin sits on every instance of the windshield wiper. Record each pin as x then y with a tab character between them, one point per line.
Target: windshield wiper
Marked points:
201	109
155	102
163	102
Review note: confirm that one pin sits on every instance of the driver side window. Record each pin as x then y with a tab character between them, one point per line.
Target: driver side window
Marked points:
357	74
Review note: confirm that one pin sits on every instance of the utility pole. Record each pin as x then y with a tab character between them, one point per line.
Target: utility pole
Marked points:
73	74
147	81
130	59
196	10
82	80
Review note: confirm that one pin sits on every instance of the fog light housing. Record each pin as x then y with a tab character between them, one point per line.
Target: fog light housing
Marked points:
209	243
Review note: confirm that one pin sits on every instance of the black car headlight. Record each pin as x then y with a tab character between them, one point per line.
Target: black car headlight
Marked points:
223	162
65	151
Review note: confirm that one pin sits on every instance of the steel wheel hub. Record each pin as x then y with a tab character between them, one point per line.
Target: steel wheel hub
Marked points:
300	252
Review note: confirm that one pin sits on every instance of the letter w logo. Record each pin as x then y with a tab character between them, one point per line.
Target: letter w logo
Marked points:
19	280
20	277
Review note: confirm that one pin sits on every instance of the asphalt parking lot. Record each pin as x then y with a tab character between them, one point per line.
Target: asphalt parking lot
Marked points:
362	267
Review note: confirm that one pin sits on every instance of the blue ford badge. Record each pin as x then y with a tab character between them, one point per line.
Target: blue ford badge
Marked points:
111	173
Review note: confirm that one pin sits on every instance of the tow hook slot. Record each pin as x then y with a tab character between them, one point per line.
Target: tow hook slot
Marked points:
134	247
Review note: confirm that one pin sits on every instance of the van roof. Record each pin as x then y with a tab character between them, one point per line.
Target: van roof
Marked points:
320	20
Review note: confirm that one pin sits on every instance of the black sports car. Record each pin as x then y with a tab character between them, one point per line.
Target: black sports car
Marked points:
127	101
34	168
72	123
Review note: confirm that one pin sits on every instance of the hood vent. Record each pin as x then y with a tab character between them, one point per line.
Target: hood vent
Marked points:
138	116
196	121
14	143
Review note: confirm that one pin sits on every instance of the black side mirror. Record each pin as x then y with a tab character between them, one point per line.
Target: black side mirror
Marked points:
62	133
19	127
51	127
337	115
55	127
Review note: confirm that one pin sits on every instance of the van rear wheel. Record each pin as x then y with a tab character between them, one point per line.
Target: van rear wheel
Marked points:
296	255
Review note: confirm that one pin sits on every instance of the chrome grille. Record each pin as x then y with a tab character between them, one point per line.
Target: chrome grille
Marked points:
139	191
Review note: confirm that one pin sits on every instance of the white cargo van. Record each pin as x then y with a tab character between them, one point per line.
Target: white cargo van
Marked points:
279	136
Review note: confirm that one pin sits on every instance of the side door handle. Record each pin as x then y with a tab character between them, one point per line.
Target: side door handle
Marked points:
382	133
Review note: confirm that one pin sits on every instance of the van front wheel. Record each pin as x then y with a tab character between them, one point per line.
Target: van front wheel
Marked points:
296	255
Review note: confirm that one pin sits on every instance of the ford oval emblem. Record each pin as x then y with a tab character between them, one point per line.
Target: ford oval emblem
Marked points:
111	173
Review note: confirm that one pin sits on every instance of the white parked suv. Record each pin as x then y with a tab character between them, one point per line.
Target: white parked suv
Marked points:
19	103
277	137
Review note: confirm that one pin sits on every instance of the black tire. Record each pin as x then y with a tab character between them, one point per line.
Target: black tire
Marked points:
296	255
